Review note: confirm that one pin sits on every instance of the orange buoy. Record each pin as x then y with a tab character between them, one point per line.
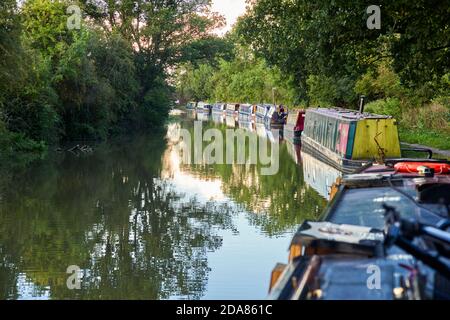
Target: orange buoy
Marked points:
418	167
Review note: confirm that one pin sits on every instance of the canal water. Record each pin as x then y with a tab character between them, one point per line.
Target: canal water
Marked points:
141	224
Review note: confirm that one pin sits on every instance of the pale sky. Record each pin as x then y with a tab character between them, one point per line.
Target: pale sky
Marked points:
231	9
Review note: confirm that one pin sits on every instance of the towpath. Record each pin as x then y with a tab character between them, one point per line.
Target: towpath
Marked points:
445	153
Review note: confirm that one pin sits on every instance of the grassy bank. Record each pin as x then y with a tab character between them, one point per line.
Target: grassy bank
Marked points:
427	138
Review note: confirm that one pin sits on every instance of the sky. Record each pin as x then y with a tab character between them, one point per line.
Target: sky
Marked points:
231	9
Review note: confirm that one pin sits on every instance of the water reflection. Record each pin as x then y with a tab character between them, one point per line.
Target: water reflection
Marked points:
141	225
319	175
280	201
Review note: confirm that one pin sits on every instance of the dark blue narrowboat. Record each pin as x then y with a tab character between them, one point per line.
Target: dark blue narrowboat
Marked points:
332	259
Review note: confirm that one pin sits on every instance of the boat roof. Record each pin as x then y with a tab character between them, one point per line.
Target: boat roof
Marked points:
361	201
341	113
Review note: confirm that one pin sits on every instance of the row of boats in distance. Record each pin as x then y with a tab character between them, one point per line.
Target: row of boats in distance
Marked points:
268	114
384	234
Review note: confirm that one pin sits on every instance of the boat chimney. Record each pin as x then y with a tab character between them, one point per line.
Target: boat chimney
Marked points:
361	104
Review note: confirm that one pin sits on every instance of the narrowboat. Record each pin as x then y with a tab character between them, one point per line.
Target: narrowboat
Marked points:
232	109
207	108
273	118
261	111
294	126
347	139
219	108
330	259
191	105
246	110
200	106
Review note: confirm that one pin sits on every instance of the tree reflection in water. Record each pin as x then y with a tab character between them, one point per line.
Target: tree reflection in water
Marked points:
132	233
138	223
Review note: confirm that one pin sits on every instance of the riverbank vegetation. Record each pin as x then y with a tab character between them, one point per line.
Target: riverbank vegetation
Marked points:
304	54
66	76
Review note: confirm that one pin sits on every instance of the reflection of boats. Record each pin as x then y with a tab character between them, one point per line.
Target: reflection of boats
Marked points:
294	126
274	135
348	139
202	116
230	121
218	118
334	258
245	124
191	114
319	175
294	151
260	129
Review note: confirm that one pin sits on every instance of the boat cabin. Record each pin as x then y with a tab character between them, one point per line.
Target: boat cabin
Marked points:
219	107
246	110
191	105
261	111
232	108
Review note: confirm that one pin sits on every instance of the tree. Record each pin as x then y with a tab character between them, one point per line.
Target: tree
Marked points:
331	39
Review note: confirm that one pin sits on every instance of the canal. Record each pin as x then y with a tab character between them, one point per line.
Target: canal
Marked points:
140	224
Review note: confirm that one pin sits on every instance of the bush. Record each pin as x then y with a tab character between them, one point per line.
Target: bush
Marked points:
433	116
389	106
16	144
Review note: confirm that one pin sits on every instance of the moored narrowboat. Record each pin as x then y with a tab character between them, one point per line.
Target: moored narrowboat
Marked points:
219	108
200	105
348	139
261	111
294	126
329	259
207	108
191	105
246	110
273	118
232	108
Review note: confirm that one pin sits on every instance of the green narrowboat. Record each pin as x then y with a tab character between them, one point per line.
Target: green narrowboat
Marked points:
348	139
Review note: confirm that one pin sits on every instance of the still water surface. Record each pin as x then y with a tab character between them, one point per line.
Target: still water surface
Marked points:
141	225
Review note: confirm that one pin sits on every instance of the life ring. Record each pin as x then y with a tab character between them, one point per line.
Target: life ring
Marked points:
415	167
